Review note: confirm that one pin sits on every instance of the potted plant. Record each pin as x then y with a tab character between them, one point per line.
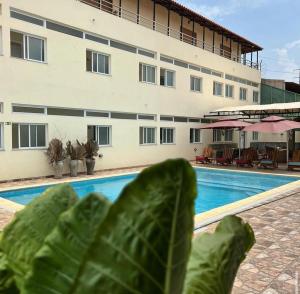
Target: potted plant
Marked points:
56	155
91	150
75	153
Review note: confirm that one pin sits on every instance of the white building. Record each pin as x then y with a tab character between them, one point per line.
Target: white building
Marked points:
138	75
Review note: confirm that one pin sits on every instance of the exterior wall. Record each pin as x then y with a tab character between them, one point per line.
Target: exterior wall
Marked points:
63	81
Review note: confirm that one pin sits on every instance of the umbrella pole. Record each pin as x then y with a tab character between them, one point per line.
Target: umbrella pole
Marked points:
239	144
287	148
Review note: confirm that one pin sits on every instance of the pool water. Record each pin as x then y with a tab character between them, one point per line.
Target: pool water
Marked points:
215	187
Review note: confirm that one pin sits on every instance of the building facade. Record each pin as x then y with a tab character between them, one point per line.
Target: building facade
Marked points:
136	75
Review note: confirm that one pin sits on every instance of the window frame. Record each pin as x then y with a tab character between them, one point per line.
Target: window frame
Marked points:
225	132
165	77
29	136
254	91
26	46
97	63
232	86
174	136
243	90
97	127
255	136
222	89
193	136
201	84
142	74
215	131
155	135
1	136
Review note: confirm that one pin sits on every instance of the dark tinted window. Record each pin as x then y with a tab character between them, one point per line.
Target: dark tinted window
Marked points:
63	29
123	115
26	18
27	109
64	111
97	114
122	46
96	39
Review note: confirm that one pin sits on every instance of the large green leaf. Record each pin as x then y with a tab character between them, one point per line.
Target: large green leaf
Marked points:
216	257
144	242
24	236
56	265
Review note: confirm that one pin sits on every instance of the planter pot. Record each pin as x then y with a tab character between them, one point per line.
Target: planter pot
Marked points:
73	168
58	169
90	165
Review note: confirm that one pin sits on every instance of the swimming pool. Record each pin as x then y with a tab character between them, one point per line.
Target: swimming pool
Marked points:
215	187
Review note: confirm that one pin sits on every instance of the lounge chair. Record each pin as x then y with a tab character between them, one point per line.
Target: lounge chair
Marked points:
271	160
295	162
227	157
248	156
206	157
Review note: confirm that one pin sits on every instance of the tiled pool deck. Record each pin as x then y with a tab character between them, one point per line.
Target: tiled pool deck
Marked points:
273	264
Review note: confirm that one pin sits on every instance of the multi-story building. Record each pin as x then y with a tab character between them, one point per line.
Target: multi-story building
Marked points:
136	75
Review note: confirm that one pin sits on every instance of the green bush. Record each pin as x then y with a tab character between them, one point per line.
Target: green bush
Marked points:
142	243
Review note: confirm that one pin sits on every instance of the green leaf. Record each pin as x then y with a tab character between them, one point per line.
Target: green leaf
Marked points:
24	236
216	257
144	242
56	265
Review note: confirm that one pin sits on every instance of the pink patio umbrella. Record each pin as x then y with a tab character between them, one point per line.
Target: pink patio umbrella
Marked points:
232	123
228	123
274	124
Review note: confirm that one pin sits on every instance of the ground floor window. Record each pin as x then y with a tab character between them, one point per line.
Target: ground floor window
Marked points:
228	135
1	136
28	135
97	62
217	135
255	136
218	89
243	94
255	96
228	91
100	134
195	136
147	135
167	135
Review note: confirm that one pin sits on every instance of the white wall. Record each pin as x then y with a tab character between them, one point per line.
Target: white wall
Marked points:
63	81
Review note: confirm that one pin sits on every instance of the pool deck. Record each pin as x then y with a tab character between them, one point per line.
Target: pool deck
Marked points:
273	264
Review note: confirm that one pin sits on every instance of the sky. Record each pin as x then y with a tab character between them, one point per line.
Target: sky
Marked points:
272	24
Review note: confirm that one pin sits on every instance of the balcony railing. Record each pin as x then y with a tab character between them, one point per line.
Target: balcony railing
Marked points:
168	31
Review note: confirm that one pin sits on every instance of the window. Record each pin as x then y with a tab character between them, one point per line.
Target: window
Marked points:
218	89
254	136
217	135
228	135
147	136
101	134
97	62
255	96
196	84
27	47
228	91
147	73
1	135
195	136
167	78
167	135
243	94
28	136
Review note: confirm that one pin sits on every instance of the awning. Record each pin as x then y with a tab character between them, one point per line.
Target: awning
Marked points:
291	109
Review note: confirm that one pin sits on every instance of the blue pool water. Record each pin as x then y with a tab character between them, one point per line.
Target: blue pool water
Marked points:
215	187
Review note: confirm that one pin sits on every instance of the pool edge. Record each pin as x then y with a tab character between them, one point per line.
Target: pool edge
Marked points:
203	219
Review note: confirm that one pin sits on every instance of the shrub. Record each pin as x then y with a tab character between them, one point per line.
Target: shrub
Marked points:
75	152
91	148
142	243
56	151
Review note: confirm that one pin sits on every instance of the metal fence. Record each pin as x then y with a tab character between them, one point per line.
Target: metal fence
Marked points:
271	95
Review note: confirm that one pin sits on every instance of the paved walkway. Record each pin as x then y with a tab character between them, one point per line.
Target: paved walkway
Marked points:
273	263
